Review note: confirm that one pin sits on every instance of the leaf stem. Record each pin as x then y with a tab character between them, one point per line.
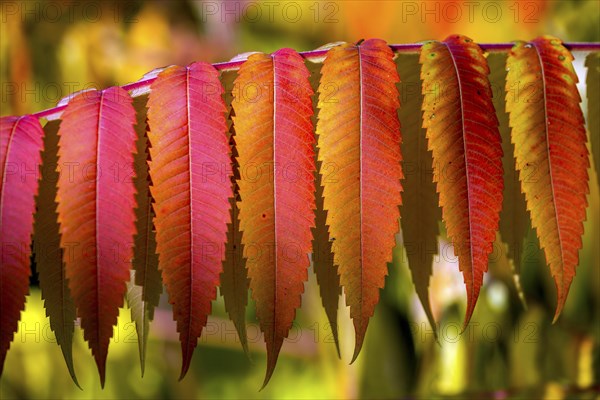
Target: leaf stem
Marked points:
145	83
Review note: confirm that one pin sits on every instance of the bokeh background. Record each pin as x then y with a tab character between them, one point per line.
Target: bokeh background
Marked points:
50	49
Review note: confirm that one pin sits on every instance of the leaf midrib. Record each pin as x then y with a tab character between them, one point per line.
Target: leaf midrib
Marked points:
551	175
361	180
274	200
189	137
97	238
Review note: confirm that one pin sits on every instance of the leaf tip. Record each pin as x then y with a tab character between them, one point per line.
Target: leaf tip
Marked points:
559	307
265	382
74	378
337	344
187	351
469	313
240	327
273	349
355	355
268	375
360	338
426	304
67	354
185	366
101	364
357	349
562	290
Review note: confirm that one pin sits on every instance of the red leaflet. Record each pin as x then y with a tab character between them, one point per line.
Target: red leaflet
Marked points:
359	149
191	186
96	208
274	137
21	141
462	130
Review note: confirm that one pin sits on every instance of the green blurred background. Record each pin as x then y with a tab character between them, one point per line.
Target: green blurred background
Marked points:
50	49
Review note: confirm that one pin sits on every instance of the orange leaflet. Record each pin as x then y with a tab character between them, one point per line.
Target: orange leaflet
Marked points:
359	149
274	137
549	135
462	132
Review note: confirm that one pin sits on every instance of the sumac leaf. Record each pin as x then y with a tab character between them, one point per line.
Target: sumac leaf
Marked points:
274	140
550	140
462	133
190	171
96	209
359	149
21	141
